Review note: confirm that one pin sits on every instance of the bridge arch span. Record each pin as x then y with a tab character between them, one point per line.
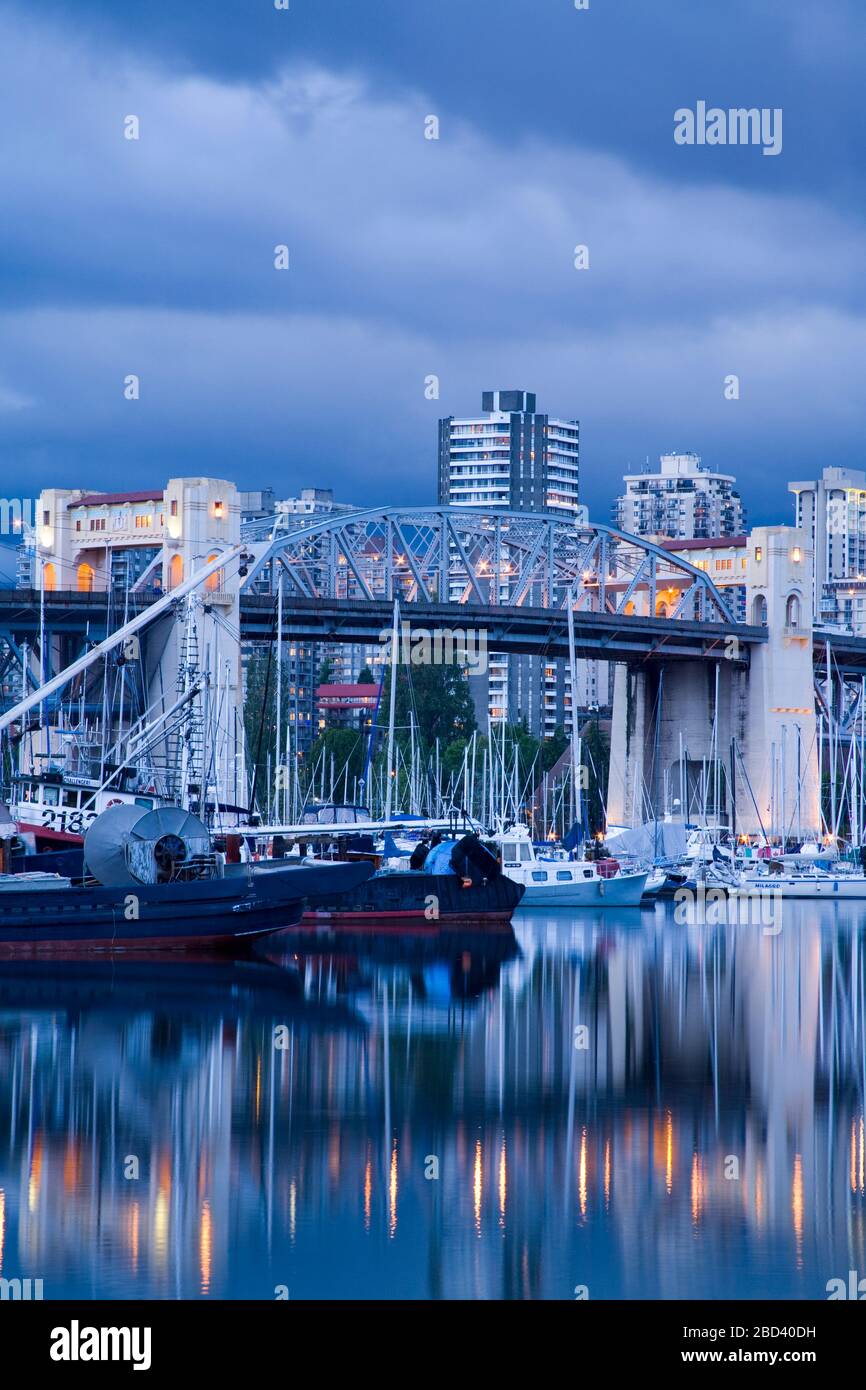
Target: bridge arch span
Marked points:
435	555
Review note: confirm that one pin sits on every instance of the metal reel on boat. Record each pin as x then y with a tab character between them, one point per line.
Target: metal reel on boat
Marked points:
164	841
128	845
105	844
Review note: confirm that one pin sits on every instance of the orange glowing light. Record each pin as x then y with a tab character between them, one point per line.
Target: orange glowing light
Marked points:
669	1153
759	1195
205	1246
697	1187
70	1167
35	1180
368	1192
133	1221
503	1183
392	1193
797	1206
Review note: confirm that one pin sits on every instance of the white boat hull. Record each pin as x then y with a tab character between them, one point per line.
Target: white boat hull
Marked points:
832	888
625	890
562	895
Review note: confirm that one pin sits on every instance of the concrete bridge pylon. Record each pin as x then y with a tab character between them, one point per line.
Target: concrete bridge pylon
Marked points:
733	737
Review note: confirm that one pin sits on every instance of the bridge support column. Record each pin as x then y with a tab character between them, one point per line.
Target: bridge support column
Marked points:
673	727
779	736
625	798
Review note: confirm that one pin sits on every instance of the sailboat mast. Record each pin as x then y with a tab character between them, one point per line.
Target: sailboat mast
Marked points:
392	705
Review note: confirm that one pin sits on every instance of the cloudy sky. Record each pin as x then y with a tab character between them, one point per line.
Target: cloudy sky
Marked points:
412	257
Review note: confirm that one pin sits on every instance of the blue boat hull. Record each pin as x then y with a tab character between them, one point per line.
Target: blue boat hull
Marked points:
210	914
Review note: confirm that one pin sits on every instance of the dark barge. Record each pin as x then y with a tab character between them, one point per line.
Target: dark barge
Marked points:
155	884
413	896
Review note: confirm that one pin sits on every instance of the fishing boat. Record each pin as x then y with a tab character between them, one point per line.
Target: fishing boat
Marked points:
566	882
456	882
154	881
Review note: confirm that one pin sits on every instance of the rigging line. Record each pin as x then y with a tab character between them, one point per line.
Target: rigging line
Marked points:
264	708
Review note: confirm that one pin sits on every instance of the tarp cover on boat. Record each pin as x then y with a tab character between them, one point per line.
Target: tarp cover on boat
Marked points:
438	860
655	840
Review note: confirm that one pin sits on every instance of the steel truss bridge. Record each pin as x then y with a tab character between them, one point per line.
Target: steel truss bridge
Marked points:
511	574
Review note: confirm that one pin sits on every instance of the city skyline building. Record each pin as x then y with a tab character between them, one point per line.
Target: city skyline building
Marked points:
682	500
514	458
831	510
510	456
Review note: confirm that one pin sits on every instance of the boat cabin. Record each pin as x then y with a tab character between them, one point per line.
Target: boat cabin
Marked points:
53	801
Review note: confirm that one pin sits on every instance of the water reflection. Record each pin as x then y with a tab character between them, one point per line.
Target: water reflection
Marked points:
381	1117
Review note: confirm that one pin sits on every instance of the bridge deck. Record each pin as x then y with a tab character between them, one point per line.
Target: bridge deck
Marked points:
518	631
524	631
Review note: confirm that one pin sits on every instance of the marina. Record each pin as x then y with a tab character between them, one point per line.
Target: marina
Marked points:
307	1165
432	677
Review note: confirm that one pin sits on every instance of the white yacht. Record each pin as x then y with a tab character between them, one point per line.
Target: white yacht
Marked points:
564	882
802	883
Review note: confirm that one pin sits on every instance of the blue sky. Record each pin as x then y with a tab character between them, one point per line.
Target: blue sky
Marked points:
412	257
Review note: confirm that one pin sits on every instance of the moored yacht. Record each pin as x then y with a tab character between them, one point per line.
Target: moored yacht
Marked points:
566	882
813	882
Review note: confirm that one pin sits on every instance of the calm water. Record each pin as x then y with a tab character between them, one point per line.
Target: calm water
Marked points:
304	1165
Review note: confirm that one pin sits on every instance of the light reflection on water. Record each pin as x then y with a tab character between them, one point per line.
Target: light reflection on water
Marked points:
708	1141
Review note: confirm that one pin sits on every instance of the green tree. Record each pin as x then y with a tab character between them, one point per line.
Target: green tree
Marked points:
260	715
595	754
439	699
348	748
553	748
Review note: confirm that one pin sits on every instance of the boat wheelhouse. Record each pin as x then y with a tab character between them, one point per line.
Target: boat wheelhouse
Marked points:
56	805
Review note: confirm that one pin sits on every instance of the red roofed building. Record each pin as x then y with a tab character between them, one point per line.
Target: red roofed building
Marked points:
346	706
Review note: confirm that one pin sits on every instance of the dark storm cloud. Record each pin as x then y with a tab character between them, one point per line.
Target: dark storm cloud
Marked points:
608	78
413	257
